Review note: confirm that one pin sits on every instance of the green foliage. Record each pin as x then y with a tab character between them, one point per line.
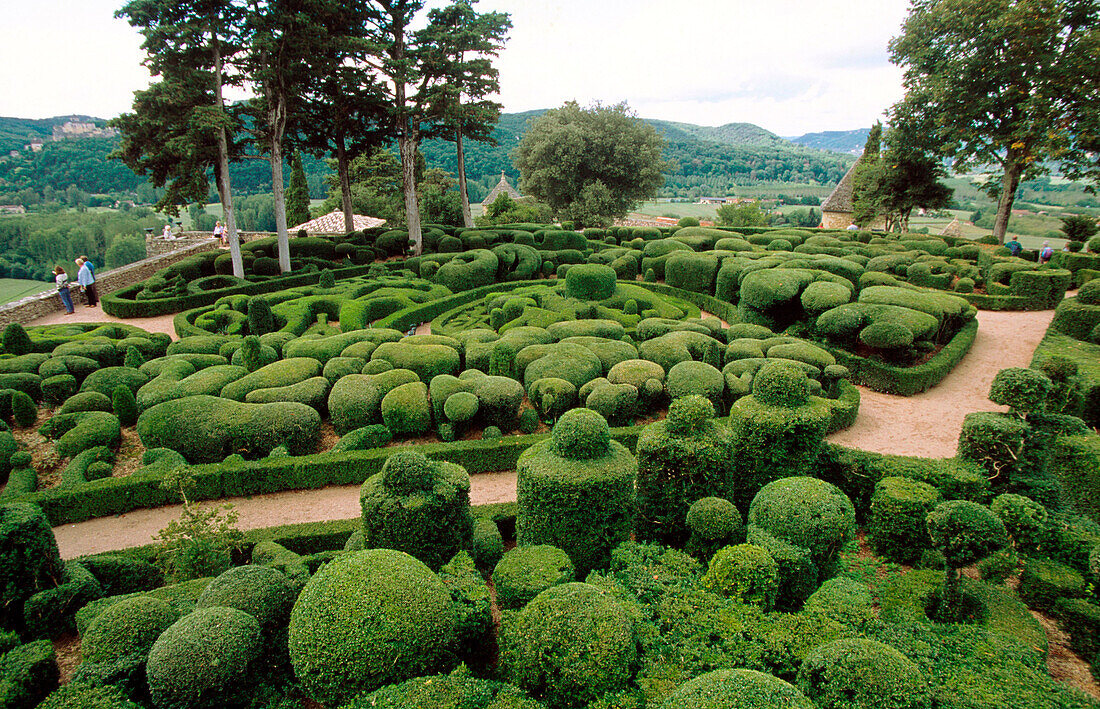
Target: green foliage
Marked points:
737	689
746	572
487	545
965	532
28	673
406	411
808	513
526	571
124	405
545	159
714	523
1022	390
418	506
29	561
682	459
130	626
15	340
897	529
844	600
23	410
368	619
781	384
863	674
297	194
458	690
1043	582
576	491
1024	519
1079	227
84	695
263	592
570	645
199	542
204	659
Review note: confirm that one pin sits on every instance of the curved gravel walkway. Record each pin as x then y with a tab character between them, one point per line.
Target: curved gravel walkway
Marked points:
927	425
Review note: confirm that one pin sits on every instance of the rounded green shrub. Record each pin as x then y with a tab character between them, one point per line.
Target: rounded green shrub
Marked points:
680	460
552	397
15	340
124	405
264	593
1043	582
204	659
844	600
488	545
368	619
130	626
737	689
86	401
589	281
820	296
885	335
696	378
745	572
1024	519
405	410
29	559
1023	390
781	384
526	571
808	513
855	673
460	407
84	695
576	491
896	528
714	523
418	506
24	412
965	532
58	388
569	646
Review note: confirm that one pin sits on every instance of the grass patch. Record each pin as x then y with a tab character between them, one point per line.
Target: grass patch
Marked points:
16	288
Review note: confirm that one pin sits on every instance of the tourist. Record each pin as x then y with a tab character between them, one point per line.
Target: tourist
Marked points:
62	280
1045	253
1014	247
219	234
86	279
853	227
167	233
91	266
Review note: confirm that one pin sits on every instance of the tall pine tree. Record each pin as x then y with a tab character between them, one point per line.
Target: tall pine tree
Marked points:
297	193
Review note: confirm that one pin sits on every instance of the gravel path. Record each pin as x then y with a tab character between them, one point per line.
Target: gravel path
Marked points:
927	424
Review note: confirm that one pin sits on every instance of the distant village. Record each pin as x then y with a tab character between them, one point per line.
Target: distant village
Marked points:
72	128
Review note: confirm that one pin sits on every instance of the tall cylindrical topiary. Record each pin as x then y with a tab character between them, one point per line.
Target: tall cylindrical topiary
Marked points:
682	459
125	405
778	430
576	491
15	340
418	506
369	619
29	560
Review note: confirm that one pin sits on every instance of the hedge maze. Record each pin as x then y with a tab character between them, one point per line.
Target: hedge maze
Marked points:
683	535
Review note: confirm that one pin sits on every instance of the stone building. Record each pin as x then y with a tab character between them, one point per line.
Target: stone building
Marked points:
502	186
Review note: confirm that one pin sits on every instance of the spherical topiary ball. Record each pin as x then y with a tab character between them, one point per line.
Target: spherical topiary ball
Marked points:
1021	389
460	407
808	513
581	434
781	384
369	619
737	689
525	572
264	593
714	518
203	659
407	471
689	413
746	572
862	674
570	645
965	532
130	626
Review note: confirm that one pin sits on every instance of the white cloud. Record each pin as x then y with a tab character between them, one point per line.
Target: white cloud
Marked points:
790	66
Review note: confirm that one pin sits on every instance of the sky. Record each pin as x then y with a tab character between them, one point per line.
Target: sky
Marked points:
789	66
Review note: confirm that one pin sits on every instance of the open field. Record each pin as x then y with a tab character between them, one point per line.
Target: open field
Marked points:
16	288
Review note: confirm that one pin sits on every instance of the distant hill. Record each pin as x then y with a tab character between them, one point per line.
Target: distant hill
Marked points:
850	142
17	132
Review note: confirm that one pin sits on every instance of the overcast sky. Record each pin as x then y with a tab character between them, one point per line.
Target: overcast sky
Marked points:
790	66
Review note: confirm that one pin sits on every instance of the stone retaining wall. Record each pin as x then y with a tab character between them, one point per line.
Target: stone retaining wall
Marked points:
35	306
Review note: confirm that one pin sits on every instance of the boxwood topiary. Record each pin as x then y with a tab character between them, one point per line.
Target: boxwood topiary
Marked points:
369	619
29	559
84	695
896	528
487	545
263	592
844	600
569	646
745	572
58	388
714	523
130	626
1023	390
737	689
418	506
28	673
119	574
806	512
576	491
680	460
405	410
526	571
863	674
1043	582
205	659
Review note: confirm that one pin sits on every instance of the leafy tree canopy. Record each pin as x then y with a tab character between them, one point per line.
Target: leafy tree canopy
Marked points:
590	164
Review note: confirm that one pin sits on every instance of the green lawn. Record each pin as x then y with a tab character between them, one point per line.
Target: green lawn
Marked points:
15	288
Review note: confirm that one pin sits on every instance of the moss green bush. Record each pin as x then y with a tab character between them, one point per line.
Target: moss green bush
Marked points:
356	400
487	545
406	411
1024	519
28	673
896	529
77	432
590	282
526	571
844	600
680	460
204	659
263	592
119	574
86	401
863	674
697	379
277	374
58	388
737	689
124	405
49	612
576	491
130	626
714	523
205	429
369	619
746	572
1043	582
106	380
1022	390
569	646
418	506
29	559
84	695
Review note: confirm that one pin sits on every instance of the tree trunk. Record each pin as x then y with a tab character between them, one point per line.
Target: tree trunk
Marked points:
467	218
345	184
278	123
225	191
407	146
1008	196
